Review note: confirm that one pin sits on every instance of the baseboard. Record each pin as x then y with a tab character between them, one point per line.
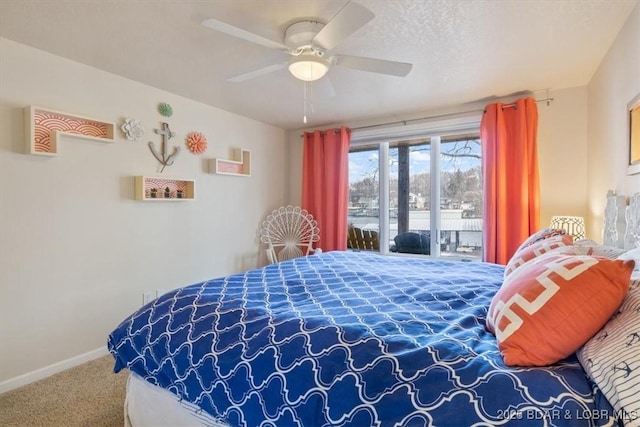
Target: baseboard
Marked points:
47	371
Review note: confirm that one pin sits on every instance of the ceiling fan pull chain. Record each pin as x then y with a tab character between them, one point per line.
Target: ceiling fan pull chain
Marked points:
311	98
304	119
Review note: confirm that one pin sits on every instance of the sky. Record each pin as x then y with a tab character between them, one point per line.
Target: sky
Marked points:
365	163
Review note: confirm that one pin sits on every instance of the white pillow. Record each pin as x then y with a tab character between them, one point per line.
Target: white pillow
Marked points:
612	358
596	249
633	254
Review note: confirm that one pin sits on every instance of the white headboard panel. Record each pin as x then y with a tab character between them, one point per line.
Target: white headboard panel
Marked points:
632	233
614	220
622	222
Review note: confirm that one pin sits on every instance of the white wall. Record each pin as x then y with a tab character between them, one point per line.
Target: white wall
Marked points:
562	152
76	250
613	86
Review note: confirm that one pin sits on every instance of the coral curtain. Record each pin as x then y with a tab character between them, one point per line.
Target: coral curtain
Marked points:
325	184
511	181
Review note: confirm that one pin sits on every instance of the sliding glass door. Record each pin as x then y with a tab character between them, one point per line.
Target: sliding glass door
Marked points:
422	195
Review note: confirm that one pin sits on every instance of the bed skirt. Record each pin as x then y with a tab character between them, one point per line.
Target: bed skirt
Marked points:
147	405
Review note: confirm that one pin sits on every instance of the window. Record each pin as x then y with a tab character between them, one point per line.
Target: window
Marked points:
405	188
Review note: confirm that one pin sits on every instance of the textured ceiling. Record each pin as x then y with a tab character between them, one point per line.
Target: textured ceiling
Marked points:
461	50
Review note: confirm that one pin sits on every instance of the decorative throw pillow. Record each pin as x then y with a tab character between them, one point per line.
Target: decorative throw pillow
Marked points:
612	358
596	249
549	307
535	250
632	254
540	235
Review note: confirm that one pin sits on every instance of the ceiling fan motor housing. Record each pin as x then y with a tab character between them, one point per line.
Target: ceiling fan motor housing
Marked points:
299	36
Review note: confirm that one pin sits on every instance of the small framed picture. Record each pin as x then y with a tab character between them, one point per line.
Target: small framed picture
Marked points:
633	118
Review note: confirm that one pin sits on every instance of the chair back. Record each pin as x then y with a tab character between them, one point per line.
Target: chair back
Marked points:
289	232
364	240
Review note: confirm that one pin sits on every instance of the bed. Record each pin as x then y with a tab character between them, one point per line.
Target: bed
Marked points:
354	339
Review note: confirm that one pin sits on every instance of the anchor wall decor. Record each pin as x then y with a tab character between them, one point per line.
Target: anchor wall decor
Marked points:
163	158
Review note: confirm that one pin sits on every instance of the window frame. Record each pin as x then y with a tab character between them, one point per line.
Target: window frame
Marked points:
435	128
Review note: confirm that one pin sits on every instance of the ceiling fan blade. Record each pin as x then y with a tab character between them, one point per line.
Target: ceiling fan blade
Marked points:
256	73
346	22
223	27
381	66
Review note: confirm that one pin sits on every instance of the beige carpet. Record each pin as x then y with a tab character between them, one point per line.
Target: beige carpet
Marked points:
89	395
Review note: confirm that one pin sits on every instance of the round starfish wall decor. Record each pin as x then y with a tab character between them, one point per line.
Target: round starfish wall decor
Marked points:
165	109
132	129
196	142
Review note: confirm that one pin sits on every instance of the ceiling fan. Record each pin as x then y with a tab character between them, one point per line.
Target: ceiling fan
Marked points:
309	43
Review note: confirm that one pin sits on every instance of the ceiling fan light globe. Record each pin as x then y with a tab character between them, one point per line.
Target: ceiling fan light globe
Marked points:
308	68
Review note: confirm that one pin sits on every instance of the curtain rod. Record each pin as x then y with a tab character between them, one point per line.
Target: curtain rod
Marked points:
440	116
324	132
514	104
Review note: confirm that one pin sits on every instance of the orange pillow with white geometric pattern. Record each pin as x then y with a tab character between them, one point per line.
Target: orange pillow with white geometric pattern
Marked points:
545	233
537	249
549	307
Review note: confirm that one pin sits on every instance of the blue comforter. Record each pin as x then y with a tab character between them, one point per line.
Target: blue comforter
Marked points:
347	339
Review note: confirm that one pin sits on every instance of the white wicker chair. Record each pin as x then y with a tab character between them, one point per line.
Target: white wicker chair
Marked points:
289	232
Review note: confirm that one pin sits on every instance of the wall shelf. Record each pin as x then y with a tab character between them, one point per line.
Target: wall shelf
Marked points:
144	185
239	166
44	127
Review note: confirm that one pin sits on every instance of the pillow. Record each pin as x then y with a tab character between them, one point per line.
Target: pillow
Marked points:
611	358
540	235
535	250
549	307
632	254
596	249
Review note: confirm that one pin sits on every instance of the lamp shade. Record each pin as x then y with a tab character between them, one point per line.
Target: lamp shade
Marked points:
573	225
308	67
